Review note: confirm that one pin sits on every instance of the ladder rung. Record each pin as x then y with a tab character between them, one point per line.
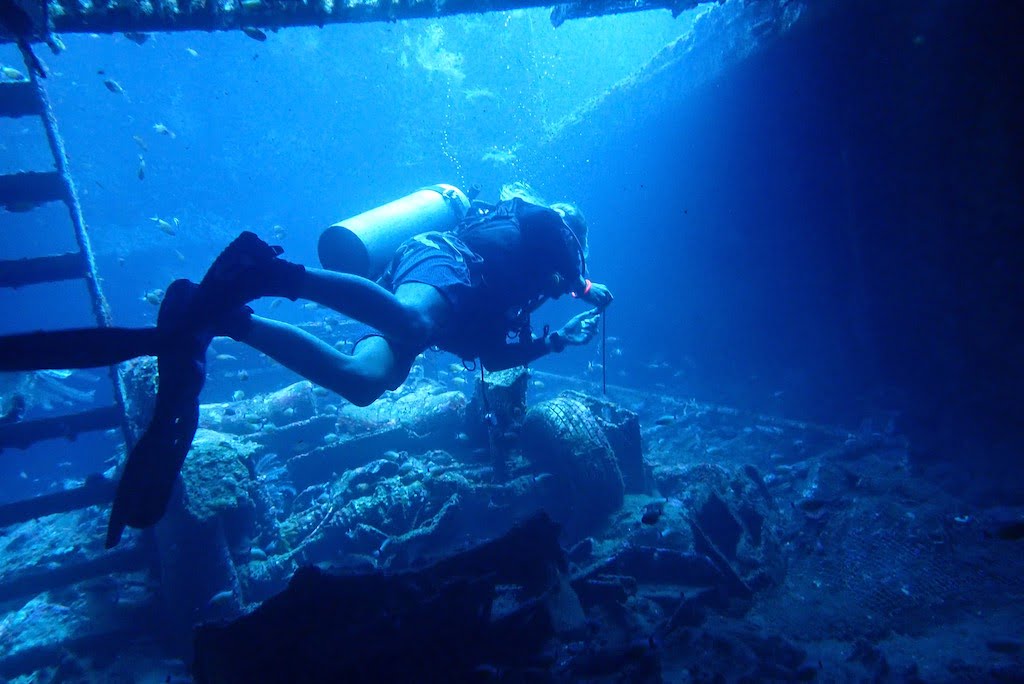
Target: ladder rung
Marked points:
24	435
19	98
97	491
50	269
24	190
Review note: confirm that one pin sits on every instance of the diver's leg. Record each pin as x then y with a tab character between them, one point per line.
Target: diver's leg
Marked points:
374	366
249	268
408	316
79	348
360	377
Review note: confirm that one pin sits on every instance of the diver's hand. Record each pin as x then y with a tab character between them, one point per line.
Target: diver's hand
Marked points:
599	295
581	328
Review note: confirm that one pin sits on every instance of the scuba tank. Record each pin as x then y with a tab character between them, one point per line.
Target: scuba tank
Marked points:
365	244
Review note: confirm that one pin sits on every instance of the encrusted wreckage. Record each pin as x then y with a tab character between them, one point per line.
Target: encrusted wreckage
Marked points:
627	537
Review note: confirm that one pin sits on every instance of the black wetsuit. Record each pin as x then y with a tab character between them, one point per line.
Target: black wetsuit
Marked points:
493	269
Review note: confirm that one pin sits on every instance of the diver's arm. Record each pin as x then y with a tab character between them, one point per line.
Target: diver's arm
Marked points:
580	329
504	356
593	293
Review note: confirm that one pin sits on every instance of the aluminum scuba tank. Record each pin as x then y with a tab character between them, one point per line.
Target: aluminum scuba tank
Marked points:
364	244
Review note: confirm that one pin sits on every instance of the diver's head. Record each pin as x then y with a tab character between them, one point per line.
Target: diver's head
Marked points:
574	221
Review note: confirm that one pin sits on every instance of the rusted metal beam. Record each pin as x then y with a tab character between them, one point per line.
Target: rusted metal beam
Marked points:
49	269
97	491
598	8
144	16
18	98
26	189
23	435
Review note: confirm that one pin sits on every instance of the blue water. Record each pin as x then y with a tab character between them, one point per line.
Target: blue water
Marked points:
299	132
811	217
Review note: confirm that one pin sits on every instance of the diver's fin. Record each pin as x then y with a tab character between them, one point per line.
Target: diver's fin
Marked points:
17	21
153	465
78	348
30	58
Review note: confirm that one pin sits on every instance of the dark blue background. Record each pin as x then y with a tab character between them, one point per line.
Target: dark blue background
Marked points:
826	231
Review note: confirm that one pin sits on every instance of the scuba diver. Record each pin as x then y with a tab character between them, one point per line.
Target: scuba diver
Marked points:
467	285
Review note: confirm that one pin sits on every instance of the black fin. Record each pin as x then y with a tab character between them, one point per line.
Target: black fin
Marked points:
153	465
30	59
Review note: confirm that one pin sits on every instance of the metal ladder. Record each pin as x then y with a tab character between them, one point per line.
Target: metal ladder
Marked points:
24	99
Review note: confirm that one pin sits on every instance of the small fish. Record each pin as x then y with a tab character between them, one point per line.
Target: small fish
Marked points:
243	375
274	303
254	33
238	395
665	420
113	86
537	384
192	52
164	130
310	306
136	37
459	381
226	357
223	598
163	225
457	368
278	232
140	142
142	167
12	74
154	296
177	253
652	512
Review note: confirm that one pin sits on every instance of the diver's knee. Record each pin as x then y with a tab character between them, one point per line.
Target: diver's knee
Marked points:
420	327
365	393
